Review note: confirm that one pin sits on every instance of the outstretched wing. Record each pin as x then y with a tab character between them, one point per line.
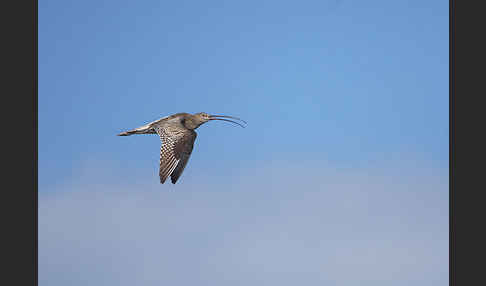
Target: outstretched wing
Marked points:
185	153
173	152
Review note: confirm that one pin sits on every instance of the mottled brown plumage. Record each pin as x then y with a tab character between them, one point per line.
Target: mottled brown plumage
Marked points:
177	135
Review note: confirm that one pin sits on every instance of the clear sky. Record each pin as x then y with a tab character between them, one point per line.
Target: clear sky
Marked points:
340	178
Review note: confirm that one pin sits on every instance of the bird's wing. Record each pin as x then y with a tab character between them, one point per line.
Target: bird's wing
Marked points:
185	152
174	144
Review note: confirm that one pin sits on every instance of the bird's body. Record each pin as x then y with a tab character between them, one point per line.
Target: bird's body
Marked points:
177	135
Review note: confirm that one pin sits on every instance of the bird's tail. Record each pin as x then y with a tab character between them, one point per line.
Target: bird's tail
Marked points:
146	129
126	133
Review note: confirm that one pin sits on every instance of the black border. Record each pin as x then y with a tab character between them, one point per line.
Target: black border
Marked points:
466	170
35	134
19	142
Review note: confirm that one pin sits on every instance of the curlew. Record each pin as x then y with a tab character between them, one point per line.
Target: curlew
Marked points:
177	135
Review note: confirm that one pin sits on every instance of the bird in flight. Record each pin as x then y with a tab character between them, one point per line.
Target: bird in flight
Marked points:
177	135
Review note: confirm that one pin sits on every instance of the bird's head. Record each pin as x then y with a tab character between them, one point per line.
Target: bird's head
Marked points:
200	118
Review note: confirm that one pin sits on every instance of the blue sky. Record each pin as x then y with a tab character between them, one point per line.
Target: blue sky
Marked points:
343	165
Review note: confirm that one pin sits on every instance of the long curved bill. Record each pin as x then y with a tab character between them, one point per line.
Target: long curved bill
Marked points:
217	117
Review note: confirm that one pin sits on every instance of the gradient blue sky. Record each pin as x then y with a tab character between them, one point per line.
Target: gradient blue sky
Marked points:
340	177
